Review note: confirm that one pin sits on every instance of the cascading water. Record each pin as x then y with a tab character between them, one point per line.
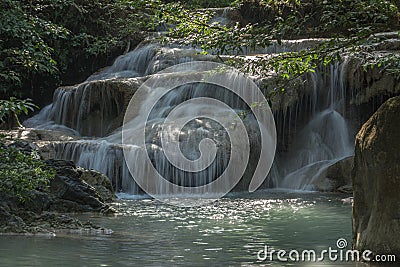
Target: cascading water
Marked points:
106	154
95	108
325	139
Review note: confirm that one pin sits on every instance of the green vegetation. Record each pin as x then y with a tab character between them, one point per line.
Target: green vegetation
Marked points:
22	172
15	107
205	3
349	27
41	41
45	43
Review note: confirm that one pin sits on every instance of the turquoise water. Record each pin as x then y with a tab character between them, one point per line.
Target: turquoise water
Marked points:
228	232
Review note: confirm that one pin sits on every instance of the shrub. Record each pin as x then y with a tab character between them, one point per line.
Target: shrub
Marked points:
22	171
15	107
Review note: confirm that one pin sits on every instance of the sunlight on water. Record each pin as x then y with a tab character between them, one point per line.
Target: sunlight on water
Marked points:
229	231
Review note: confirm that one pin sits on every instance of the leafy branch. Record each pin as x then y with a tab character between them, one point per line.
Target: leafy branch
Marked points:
15	107
348	24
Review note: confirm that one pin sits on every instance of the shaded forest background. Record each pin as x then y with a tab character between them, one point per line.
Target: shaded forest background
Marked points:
48	43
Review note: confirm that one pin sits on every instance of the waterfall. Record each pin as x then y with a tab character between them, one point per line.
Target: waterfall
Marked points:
106	156
88	109
91	108
325	139
95	109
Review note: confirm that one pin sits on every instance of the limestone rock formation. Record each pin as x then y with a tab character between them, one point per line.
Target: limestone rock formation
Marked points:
70	192
336	178
42	140
41	213
376	182
73	189
340	175
100	182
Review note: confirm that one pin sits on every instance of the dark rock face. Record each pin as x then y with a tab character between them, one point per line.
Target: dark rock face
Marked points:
8	221
47	223
68	192
100	182
376	182
340	175
67	185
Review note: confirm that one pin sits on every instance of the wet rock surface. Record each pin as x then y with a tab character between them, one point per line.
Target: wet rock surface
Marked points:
23	222
337	177
71	192
340	175
376	182
41	215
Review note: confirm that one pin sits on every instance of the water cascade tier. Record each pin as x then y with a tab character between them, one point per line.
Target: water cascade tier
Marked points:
314	119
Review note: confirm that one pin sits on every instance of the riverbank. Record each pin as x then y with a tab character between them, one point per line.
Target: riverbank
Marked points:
48	210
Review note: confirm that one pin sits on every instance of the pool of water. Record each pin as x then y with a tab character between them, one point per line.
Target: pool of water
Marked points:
228	232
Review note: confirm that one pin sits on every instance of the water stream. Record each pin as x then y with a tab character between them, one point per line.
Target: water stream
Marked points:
229	232
325	139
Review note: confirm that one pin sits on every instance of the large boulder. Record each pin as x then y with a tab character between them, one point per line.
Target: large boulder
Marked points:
339	174
376	182
336	178
68	192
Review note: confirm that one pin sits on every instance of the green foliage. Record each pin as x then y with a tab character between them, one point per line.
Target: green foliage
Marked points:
40	40
194	28
24	47
385	61
207	3
15	107
21	172
354	16
347	24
